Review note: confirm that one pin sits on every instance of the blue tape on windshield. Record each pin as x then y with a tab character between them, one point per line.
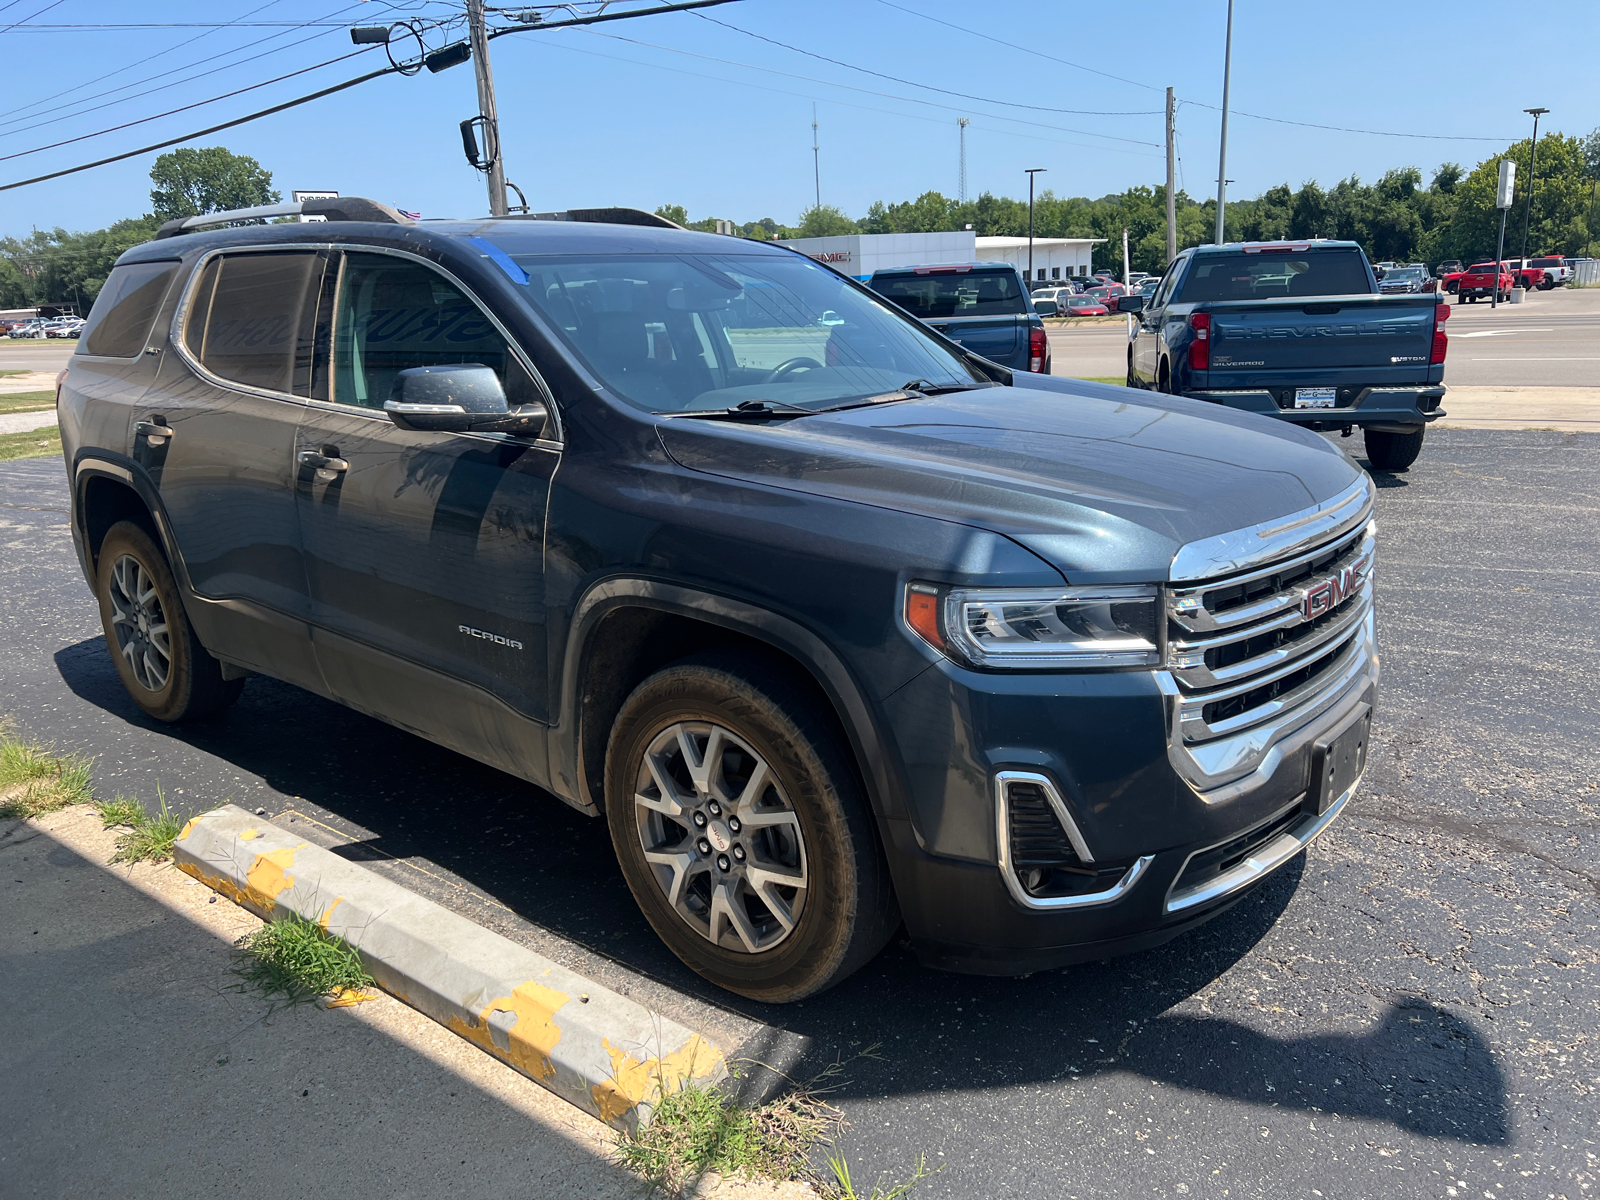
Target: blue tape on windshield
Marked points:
505	261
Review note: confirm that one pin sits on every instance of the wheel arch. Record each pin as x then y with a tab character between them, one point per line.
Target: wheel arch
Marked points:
627	628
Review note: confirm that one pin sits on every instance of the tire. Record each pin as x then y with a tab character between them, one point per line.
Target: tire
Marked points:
706	845
1132	380
1164	378
1392	451
160	660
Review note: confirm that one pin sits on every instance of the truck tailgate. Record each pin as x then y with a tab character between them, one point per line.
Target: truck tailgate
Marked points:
1270	341
995	338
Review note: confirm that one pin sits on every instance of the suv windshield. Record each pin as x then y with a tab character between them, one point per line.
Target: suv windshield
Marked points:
1403	273
954	293
674	333
1275	275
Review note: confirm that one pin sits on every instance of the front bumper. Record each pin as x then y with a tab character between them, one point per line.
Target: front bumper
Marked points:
1112	747
1401	408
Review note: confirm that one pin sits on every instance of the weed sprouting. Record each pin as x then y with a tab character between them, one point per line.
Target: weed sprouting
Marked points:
33	781
298	960
122	810
150	836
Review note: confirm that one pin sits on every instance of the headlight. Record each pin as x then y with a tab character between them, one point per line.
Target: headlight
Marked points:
1051	628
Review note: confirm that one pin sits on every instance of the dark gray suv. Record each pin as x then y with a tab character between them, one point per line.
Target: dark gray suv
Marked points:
838	625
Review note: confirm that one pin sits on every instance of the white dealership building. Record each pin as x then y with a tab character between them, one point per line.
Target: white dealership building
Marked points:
860	254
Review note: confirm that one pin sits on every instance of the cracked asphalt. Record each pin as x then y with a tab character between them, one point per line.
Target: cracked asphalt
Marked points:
1409	1010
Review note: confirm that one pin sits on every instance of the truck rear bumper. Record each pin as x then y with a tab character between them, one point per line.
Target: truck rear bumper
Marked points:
1390	408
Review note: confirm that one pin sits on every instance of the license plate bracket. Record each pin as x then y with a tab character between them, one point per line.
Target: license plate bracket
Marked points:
1316	397
1338	759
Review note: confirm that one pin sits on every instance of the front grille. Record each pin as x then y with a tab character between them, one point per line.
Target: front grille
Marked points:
1245	647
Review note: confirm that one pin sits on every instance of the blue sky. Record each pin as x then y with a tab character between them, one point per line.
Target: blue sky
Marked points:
691	112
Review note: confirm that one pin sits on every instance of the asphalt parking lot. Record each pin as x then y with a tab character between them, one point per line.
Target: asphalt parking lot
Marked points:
1410	1010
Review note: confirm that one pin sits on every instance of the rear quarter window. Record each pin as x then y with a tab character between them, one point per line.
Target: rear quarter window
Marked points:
119	324
252	318
963	294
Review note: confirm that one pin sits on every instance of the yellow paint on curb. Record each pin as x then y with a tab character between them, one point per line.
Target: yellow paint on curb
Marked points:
349	997
188	827
249	835
532	1038
632	1082
323	919
267	879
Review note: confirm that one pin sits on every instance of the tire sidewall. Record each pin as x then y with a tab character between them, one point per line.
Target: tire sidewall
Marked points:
128	540
810	958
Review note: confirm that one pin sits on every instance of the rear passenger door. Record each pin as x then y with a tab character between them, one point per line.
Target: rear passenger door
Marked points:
424	551
215	434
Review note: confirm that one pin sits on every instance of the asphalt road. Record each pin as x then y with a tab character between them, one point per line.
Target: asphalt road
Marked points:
1552	339
1411	1008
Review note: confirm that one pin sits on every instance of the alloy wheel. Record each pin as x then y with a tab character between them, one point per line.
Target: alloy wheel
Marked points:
721	838
140	624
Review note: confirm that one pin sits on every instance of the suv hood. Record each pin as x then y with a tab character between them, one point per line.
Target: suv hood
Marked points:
1104	483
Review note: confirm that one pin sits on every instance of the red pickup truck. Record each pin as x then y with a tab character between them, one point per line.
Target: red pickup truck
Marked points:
1483	279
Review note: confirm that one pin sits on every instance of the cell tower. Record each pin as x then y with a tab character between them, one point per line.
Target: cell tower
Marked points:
962	189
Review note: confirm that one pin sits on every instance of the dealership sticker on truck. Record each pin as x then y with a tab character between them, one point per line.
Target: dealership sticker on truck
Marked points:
1314	397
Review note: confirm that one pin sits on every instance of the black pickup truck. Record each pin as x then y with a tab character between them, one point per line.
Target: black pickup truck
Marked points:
1296	331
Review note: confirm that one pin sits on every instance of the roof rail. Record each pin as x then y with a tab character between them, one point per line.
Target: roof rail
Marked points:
603	216
335	208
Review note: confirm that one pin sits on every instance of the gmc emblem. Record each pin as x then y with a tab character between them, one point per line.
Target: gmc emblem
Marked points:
1333	591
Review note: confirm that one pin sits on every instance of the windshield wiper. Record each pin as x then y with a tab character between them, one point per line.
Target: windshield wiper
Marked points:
917	389
748	410
922	387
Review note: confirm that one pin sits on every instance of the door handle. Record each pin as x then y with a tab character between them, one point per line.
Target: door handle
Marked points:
155	432
325	467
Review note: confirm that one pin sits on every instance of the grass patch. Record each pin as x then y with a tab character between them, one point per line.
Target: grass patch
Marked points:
10	371
696	1131
36	443
150	835
119	811
298	960
27	401
1119	380
33	781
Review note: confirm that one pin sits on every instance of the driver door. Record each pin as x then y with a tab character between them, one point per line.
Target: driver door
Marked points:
424	551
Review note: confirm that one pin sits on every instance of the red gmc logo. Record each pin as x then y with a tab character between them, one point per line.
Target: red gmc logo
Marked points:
1334	591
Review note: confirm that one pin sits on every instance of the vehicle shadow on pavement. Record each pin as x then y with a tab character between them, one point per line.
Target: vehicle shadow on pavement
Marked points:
1414	1064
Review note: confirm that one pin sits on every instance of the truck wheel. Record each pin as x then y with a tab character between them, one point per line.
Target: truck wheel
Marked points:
1164	378
743	832
162	663
1132	380
1392	451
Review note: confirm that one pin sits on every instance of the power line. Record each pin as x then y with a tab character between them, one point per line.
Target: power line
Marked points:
931	88
185	108
847	87
40	13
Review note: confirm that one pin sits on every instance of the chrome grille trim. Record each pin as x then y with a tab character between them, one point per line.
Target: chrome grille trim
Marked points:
1271	541
1330	609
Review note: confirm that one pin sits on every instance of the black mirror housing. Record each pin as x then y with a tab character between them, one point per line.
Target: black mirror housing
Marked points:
1130	304
458	398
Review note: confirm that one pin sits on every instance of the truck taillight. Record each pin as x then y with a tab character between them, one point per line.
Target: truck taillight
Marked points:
1441	343
1200	348
1038	351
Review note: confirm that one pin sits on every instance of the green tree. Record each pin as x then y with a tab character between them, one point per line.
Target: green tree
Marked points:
54	265
190	181
824	220
676	213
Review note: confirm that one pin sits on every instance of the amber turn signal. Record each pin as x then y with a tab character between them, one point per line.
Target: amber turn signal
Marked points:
922	614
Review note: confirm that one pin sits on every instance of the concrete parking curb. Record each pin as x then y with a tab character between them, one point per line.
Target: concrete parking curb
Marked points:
605	1053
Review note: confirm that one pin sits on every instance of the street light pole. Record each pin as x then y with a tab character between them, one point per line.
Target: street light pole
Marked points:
1533	176
495	166
1222	161
1032	171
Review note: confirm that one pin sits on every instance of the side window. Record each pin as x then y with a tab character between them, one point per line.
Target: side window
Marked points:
1164	292
393	314
122	315
252	319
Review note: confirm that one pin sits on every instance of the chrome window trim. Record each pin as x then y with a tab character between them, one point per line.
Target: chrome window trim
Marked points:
180	320
1265	860
1002	809
1258	545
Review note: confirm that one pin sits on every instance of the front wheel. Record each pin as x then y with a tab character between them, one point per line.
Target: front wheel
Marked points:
742	830
160	660
1133	380
1392	451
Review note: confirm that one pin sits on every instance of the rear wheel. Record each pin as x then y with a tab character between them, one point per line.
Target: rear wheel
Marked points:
160	660
742	830
1133	380
1392	451
1164	378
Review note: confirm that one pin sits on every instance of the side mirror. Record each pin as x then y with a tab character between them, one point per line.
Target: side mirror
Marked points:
1046	308
1130	304
458	398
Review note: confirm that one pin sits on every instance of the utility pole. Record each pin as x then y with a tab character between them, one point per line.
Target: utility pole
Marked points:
1502	201
1032	171
963	122
495	166
1533	175
1222	162
816	155
1172	181
1127	267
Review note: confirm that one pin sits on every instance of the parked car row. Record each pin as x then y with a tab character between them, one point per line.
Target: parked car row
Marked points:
43	327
